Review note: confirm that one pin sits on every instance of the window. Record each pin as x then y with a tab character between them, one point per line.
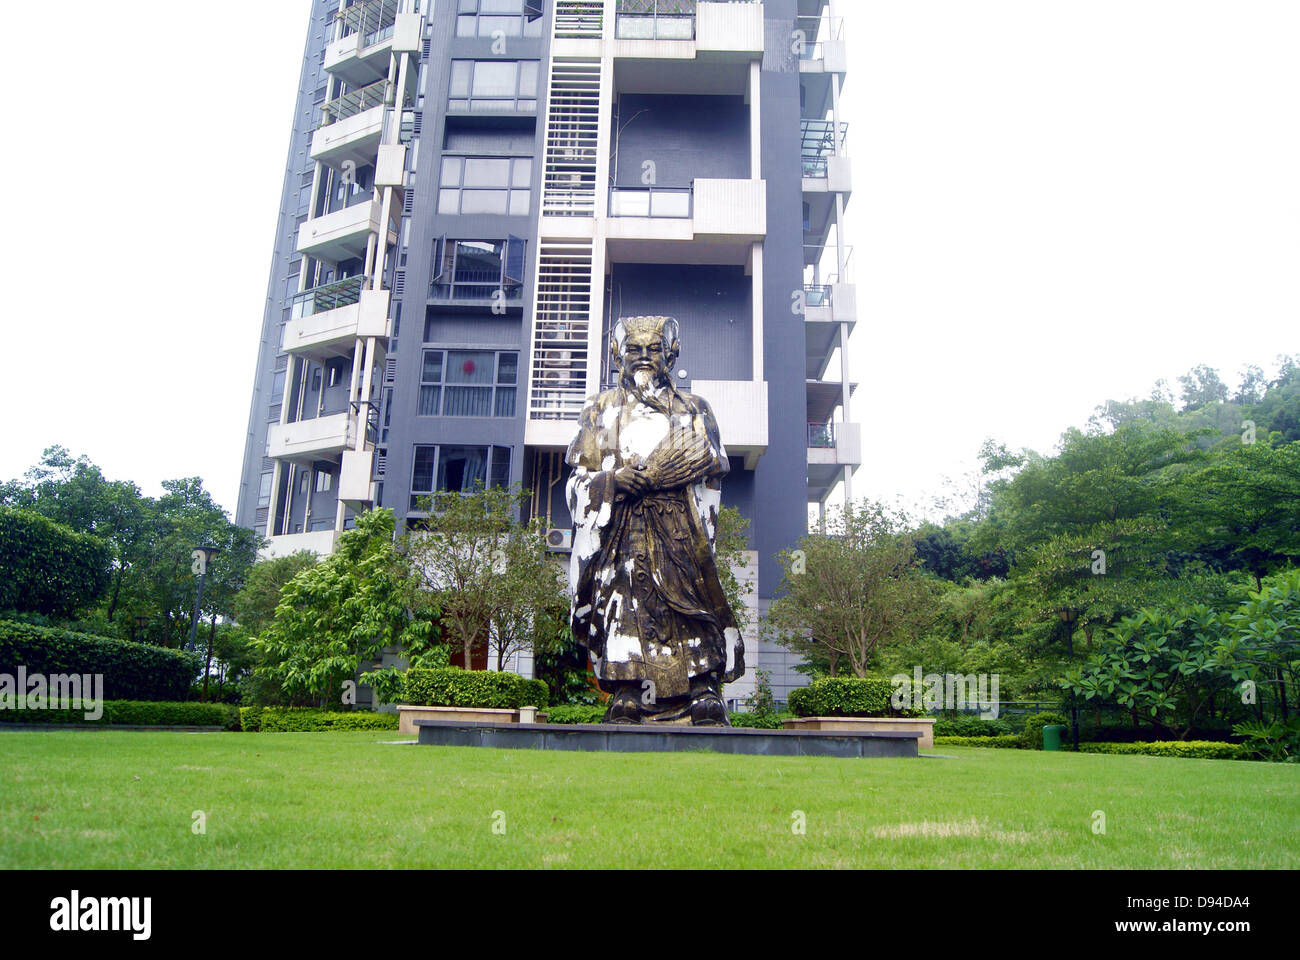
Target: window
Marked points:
513	18
456	469
485	185
477	269
493	85
468	383
304	482
323	480
264	490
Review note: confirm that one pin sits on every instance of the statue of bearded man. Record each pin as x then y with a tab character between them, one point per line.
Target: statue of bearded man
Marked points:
644	493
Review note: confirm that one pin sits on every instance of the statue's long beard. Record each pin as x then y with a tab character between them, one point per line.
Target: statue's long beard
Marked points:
646	381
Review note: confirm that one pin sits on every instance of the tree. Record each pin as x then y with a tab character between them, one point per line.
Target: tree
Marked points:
461	558
254	605
1201	386
730	547
528	608
851	586
342	612
49	568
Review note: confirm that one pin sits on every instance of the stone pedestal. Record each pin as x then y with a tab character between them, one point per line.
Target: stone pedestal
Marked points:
922	725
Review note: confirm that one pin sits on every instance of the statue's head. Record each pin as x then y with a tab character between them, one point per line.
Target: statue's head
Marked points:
645	349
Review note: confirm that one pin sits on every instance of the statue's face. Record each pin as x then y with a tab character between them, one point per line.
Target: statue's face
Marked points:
643	357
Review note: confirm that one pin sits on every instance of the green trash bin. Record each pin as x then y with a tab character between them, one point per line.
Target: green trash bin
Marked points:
1052	736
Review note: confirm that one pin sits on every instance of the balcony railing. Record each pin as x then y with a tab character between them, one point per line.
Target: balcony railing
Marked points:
355	101
813	33
817	294
655	20
818	140
373	20
651	202
821	436
328	296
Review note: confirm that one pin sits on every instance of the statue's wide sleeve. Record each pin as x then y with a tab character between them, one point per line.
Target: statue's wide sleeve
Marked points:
590	492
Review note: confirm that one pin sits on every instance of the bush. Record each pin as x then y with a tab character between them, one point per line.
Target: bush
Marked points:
842	697
761	721
454	687
137	713
1032	736
132	671
971	727
49	568
1278	741
312	720
1191	749
1007	741
575	713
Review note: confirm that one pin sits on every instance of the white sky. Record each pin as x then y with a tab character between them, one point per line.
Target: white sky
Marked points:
1055	203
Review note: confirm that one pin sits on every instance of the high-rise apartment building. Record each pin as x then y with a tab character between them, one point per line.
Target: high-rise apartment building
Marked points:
478	189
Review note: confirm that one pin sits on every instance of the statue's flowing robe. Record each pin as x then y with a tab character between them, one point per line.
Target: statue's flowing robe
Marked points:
647	602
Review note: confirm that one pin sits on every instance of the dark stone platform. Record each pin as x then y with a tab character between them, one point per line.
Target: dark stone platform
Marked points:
629	738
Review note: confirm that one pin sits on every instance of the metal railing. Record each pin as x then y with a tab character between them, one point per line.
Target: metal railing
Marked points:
651	201
356	101
817	294
818	139
374	20
655	20
328	296
821	435
812	34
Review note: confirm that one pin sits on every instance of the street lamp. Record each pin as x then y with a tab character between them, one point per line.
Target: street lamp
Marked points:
141	622
202	555
1070	616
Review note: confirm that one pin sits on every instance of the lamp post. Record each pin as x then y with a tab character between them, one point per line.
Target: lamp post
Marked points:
202	555
140	622
1069	616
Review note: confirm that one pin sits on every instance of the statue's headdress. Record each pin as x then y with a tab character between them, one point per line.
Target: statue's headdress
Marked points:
666	327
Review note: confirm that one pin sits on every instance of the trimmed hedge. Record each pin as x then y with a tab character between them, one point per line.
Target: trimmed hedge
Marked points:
312	720
1189	749
842	697
454	687
972	727
1006	741
132	671
138	713
575	713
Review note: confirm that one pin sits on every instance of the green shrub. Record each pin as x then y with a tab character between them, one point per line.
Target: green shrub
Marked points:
842	697
454	687
1007	741
971	727
312	720
575	713
1191	749
49	568
760	721
1033	732
132	671
1278	742
138	713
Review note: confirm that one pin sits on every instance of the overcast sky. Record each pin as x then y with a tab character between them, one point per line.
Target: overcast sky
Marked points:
1055	203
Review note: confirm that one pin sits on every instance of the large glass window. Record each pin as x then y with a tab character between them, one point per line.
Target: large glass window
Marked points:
468	383
485	185
511	18
484	270
493	85
457	469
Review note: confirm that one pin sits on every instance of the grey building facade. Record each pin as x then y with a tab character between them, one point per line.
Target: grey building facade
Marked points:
477	189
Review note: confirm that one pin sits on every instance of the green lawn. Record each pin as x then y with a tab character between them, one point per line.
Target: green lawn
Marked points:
126	799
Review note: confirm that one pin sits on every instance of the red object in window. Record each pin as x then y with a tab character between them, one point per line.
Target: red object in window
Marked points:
467	367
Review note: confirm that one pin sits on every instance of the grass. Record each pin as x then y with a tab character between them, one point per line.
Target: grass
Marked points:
114	799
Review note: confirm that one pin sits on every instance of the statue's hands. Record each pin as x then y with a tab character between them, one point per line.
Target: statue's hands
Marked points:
683	456
631	481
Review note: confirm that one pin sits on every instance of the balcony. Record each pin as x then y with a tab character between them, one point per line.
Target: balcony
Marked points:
740	407
371	31
820	45
832	446
825	166
826	306
319	542
328	320
352	126
356	478
681	47
712	221
306	441
342	234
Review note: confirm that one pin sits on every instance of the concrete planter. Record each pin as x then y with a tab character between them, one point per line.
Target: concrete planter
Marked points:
922	725
408	715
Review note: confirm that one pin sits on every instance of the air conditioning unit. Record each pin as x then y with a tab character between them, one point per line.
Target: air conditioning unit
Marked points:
559	540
